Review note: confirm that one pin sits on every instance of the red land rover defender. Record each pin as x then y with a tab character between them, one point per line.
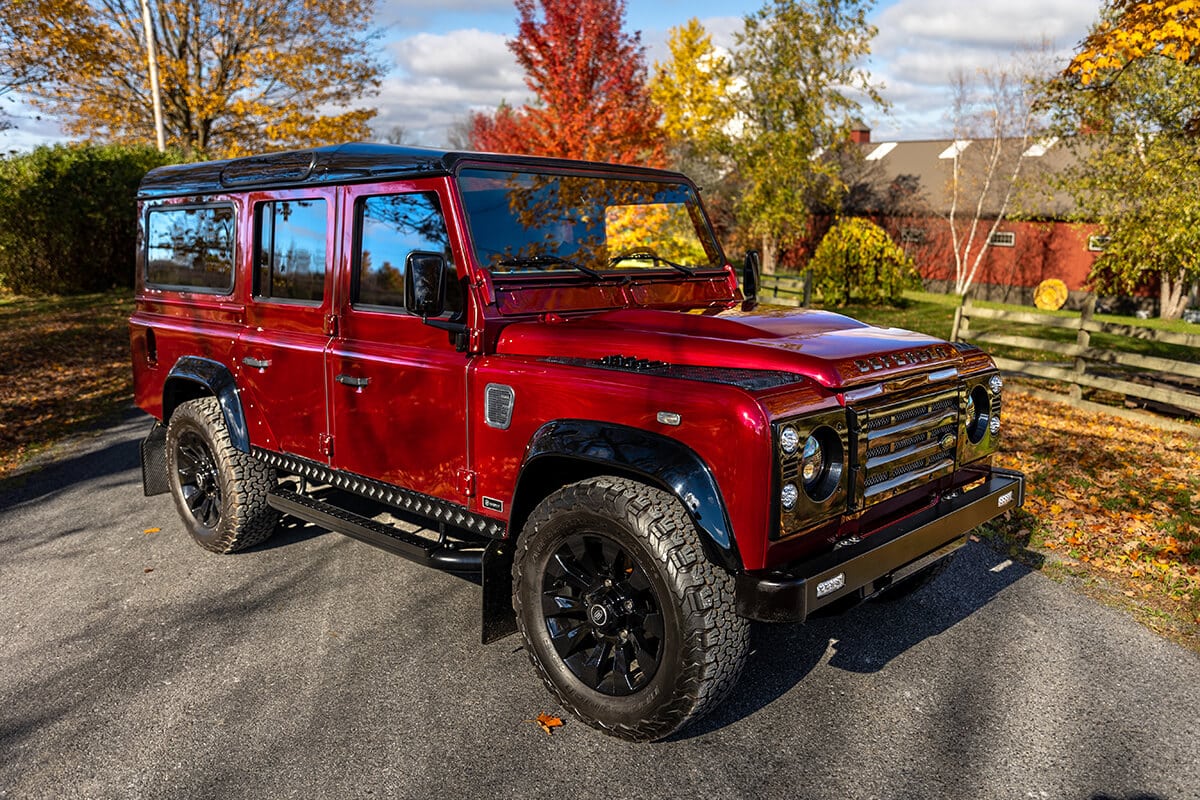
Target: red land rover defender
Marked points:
543	372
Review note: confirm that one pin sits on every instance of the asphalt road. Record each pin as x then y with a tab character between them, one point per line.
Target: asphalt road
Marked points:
135	664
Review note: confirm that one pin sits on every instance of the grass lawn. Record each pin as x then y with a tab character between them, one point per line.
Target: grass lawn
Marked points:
64	367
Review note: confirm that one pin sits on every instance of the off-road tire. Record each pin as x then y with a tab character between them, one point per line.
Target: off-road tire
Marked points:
238	483
704	643
908	586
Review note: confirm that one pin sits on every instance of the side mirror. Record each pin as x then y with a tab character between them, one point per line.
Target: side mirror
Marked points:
425	284
750	276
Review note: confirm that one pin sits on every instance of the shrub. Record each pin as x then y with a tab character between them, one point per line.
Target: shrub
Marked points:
68	217
858	260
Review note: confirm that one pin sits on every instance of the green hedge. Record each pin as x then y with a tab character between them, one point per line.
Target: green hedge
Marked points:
68	217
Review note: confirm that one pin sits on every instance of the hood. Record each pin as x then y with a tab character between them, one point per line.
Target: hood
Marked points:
834	350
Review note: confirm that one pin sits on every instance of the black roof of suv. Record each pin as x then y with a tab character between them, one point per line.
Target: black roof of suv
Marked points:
343	163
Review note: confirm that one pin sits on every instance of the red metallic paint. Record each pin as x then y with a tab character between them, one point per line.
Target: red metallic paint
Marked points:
419	422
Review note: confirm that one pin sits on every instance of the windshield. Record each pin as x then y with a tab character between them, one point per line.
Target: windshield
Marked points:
541	222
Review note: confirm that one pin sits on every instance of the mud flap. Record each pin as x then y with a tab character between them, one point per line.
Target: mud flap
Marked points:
154	461
499	619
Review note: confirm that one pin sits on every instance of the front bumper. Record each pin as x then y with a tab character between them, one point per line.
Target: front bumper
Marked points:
886	556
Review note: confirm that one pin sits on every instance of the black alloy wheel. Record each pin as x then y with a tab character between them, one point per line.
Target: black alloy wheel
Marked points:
196	471
627	622
602	614
219	491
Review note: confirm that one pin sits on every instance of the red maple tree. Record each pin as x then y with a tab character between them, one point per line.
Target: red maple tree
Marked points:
589	77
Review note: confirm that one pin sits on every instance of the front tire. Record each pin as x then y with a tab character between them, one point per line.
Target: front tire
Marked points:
625	620
219	491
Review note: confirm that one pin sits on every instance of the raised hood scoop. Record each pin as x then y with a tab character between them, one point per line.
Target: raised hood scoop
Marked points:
831	349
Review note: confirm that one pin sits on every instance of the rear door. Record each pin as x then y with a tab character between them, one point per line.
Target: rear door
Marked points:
281	353
397	386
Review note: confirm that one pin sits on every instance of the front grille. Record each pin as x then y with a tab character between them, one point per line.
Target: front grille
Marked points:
904	443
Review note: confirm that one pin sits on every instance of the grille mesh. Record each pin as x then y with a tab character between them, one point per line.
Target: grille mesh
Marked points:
905	442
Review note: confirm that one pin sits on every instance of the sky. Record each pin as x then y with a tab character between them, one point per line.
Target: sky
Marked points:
450	57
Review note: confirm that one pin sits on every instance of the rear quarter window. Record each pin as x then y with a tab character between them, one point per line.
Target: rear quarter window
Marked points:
191	247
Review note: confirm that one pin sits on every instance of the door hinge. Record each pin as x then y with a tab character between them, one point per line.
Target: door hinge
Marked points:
466	482
331	324
325	444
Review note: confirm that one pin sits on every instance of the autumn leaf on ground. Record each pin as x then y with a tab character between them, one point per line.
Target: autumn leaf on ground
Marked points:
151	530
548	723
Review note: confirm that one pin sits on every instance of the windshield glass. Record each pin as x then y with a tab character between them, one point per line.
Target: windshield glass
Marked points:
540	222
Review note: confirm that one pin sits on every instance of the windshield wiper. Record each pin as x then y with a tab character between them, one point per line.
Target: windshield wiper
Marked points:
544	261
654	257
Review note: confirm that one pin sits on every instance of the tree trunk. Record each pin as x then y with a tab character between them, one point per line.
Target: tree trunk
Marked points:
1172	295
770	251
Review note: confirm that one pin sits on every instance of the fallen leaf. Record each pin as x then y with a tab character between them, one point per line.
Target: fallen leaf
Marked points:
148	570
151	530
548	723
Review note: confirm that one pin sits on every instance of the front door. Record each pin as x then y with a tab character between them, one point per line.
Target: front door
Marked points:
397	386
280	356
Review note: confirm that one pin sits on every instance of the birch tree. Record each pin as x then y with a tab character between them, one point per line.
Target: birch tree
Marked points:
995	122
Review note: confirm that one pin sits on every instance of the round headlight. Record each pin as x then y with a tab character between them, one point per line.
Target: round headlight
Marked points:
789	495
995	383
789	440
821	464
812	465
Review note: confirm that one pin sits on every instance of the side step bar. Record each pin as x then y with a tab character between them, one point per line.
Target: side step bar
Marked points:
386	537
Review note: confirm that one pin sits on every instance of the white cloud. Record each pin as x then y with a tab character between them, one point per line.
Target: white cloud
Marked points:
441	78
468	58
922	42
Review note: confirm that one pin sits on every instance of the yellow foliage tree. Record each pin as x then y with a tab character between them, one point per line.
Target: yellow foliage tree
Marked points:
236	76
1136	29
692	89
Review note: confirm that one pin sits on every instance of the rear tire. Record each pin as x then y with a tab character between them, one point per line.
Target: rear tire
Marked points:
220	492
625	620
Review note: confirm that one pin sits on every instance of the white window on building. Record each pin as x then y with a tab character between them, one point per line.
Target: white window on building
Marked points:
1003	239
912	235
1097	243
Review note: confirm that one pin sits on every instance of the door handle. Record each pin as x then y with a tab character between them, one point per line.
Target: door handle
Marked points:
350	380
257	363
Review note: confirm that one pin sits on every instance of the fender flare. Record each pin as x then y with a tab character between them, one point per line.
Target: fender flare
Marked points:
212	378
657	459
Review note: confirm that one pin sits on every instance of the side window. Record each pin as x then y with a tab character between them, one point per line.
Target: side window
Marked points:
389	228
190	247
290	250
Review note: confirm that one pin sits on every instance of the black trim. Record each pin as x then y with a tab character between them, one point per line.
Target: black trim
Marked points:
216	379
790	595
423	505
661	460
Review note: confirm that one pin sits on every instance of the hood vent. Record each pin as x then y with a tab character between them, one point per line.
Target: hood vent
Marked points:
752	380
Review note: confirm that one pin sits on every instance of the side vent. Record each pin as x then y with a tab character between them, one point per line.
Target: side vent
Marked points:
498	405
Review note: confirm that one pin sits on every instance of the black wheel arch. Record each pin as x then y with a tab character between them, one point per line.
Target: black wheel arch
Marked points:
194	377
568	450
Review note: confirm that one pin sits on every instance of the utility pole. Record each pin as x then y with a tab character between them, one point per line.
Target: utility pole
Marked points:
158	121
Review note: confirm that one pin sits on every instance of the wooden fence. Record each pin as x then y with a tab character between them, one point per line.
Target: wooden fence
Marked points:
786	290
1154	380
